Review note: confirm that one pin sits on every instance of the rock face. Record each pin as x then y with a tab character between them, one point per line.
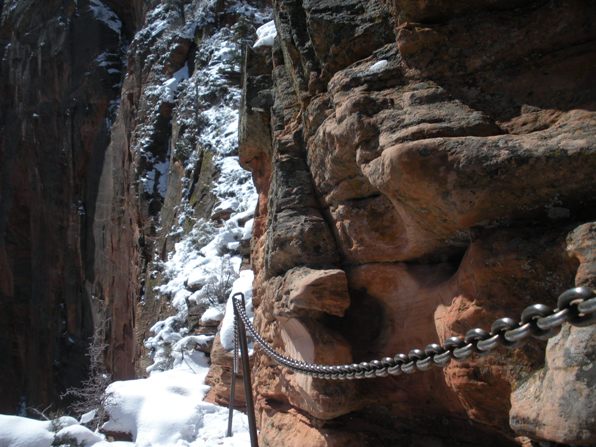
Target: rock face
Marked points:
429	170
557	401
84	154
61	63
422	167
105	164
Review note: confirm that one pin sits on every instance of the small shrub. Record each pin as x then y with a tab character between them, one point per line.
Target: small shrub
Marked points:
218	286
91	394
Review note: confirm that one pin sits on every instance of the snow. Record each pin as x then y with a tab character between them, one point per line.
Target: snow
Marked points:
168	88
104	14
167	409
82	435
158	174
114	444
266	35
247	230
203	256
157	28
187	344
242	285
378	66
88	417
181	74
212	314
17	431
110	61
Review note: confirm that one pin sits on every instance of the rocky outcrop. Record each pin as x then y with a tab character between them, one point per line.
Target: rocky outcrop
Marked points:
430	169
557	402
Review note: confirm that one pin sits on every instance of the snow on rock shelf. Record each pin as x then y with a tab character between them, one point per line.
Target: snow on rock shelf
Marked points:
242	285
266	35
17	431
167	408
104	14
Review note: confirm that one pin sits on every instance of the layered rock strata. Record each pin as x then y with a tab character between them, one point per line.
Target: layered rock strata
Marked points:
423	168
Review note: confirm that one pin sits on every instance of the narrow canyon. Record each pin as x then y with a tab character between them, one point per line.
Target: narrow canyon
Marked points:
391	172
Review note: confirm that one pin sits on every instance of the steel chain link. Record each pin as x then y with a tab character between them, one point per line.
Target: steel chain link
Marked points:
576	306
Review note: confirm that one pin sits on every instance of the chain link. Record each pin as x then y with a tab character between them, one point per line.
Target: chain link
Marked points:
236	347
576	306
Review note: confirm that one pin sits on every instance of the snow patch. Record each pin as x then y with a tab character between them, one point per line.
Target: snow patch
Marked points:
88	417
167	409
79	434
106	15
212	314
266	35
16	431
378	66
242	285
159	175
181	74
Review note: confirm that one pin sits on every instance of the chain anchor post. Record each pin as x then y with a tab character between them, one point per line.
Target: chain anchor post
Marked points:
238	300
233	380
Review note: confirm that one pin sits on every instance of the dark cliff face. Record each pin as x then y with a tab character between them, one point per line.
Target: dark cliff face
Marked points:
60	74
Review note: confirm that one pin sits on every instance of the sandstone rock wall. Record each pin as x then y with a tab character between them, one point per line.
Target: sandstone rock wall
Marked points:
423	168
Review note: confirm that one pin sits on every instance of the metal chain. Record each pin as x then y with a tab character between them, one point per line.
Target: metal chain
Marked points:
236	345
576	306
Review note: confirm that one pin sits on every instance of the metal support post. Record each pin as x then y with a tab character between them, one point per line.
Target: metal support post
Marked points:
233	382
250	406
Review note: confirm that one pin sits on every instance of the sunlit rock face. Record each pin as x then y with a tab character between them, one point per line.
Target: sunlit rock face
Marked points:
440	155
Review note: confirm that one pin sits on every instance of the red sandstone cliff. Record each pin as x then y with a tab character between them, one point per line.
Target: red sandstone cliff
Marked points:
430	169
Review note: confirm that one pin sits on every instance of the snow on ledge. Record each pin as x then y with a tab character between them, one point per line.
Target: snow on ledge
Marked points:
106	15
16	431
242	284
378	66
167	409
266	35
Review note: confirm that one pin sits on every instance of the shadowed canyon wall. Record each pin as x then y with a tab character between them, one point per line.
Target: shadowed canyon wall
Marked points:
98	151
60	74
423	168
